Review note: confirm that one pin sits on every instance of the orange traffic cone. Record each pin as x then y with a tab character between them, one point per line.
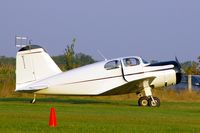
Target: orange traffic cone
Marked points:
52	118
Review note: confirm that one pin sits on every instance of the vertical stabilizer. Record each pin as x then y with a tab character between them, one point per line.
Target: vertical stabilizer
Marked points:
33	64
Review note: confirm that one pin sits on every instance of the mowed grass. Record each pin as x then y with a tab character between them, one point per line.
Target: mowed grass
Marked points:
97	116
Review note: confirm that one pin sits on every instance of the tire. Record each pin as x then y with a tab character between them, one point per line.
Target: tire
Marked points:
143	101
152	104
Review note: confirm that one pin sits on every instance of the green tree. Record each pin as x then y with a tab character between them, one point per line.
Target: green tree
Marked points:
60	61
73	59
70	56
199	64
191	67
7	60
83	59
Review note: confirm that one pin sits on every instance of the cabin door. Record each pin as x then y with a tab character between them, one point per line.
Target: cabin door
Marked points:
132	69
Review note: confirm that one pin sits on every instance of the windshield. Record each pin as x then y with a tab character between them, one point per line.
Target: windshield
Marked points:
145	62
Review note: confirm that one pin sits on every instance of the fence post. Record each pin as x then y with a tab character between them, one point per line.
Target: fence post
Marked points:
190	83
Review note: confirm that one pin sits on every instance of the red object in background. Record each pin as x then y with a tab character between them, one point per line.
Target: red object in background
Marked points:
52	118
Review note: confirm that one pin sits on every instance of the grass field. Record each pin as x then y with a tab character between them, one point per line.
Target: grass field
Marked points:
76	115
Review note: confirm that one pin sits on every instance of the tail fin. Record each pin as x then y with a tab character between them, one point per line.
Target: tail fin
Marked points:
33	64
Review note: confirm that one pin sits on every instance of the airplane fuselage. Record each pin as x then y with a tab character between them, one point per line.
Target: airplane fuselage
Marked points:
96	79
37	73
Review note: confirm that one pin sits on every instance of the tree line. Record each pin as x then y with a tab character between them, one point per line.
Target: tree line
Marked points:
70	59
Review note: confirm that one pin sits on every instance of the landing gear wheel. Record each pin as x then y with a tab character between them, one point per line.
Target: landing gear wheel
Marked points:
152	103
143	101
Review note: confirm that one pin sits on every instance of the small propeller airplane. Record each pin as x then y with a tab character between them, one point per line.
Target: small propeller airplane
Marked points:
37	73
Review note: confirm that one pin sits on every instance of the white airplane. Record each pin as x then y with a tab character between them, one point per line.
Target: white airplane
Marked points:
37	73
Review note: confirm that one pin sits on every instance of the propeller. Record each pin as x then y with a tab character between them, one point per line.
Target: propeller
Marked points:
179	65
177	62
179	71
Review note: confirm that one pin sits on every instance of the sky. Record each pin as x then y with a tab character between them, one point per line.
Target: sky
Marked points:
152	29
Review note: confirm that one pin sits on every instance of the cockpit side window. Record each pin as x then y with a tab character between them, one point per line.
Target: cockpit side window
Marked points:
112	65
131	62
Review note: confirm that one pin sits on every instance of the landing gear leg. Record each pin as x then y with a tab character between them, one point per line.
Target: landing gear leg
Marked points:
148	99
154	102
34	99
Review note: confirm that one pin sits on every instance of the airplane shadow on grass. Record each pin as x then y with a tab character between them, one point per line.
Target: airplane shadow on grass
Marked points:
69	101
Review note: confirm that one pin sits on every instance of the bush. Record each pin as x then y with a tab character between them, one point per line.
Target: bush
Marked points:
7	80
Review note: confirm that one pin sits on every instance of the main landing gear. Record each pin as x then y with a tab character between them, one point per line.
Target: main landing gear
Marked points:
148	99
34	99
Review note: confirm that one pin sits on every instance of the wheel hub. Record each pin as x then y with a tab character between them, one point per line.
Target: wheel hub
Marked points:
144	102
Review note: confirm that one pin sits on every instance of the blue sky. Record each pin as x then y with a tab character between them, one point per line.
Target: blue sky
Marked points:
153	29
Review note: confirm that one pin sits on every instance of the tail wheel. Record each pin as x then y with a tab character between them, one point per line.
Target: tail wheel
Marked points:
155	103
143	101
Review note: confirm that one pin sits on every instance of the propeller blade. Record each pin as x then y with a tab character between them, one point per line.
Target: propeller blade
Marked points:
182	71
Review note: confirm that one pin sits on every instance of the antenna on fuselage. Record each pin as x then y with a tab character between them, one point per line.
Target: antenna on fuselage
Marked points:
102	55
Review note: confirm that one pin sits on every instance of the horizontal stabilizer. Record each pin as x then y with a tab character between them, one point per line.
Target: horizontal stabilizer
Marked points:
32	88
38	87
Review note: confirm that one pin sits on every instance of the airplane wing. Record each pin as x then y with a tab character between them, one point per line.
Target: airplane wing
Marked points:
130	87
